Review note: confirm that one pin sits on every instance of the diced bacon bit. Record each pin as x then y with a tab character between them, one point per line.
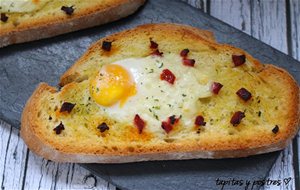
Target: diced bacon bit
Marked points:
189	62
168	125
106	45
238	60
68	10
237	118
3	17
157	53
103	127
67	107
275	130
139	123
59	128
216	87
168	76
153	45
173	120
199	121
244	94
184	53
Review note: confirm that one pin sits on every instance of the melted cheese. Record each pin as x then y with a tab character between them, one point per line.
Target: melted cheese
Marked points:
155	99
21	6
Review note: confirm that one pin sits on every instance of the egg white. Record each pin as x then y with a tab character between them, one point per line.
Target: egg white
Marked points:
156	99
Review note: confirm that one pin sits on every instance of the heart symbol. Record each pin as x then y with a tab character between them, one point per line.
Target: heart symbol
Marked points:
287	180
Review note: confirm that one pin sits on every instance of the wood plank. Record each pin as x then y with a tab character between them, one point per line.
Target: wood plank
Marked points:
295	28
234	12
294	10
268	21
13	155
45	174
200	4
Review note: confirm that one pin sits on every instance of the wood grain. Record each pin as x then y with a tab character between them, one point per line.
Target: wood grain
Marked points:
295	28
52	175
13	152
294	13
236	13
200	4
268	21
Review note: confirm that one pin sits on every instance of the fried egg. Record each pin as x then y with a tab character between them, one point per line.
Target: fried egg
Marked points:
133	86
21	6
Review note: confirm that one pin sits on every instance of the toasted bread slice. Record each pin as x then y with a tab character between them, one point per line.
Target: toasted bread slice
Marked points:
38	19
87	132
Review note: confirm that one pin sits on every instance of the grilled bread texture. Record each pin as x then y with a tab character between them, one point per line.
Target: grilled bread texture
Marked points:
234	125
55	17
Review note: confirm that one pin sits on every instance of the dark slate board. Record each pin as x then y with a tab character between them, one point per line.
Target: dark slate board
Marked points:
23	66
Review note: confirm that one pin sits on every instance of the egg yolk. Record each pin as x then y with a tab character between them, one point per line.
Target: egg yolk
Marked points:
113	84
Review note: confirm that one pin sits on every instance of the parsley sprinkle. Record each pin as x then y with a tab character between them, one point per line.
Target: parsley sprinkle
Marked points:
151	71
161	65
156	107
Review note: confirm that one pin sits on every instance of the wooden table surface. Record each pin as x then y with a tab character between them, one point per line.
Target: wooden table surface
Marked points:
275	22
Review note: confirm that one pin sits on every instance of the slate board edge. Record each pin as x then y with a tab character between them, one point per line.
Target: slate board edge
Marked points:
107	178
